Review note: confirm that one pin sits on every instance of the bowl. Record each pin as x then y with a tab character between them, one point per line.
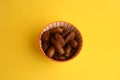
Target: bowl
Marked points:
67	26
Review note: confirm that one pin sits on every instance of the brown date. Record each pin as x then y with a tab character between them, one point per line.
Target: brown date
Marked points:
65	33
74	44
58	47
51	51
59	57
68	51
45	46
45	36
59	38
56	56
70	37
56	30
62	57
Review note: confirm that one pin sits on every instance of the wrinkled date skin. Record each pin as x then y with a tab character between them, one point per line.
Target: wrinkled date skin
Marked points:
68	51
45	46
70	37
62	57
51	51
60	39
56	30
56	56
74	44
59	57
45	36
58	47
65	33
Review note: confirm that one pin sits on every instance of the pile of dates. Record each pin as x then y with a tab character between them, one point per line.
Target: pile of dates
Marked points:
59	43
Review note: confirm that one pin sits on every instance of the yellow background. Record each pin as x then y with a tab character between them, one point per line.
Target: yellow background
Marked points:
22	20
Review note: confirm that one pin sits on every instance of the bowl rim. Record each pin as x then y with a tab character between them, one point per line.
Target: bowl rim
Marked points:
40	46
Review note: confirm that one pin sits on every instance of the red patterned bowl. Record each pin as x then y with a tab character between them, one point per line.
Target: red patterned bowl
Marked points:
68	26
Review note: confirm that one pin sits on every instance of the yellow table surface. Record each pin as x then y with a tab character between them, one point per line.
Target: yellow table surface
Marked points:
22	20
